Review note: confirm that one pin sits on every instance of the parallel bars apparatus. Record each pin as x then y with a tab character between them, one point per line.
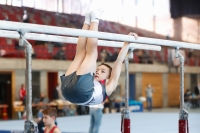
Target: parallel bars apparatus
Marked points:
30	31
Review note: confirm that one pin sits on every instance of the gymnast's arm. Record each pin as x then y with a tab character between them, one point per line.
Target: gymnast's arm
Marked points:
113	81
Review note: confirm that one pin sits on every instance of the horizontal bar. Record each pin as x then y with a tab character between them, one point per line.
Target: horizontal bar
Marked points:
7	25
63	39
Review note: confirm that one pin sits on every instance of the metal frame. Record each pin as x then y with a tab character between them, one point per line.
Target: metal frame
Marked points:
125	114
30	125
183	114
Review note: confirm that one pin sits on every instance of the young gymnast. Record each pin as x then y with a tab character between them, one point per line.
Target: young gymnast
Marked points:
83	84
49	117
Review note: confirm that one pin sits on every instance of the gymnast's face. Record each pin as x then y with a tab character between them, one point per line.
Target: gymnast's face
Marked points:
102	73
48	120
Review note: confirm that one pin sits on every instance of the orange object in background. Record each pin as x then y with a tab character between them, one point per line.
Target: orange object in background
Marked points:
4	112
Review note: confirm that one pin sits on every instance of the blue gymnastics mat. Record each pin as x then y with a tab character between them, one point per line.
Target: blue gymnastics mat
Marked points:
157	121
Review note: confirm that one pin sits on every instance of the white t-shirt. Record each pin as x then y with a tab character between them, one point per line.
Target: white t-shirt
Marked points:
99	106
99	94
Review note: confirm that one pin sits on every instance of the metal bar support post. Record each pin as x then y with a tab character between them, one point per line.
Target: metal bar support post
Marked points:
30	125
125	114
183	114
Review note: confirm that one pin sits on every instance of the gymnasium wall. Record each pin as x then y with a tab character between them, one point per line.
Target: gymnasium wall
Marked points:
166	84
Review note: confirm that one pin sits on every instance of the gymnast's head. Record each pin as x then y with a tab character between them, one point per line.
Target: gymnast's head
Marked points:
103	72
49	116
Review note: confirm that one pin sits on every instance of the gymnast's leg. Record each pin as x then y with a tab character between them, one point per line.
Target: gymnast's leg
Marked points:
80	48
89	63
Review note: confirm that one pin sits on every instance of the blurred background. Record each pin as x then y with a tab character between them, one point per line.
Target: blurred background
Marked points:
177	20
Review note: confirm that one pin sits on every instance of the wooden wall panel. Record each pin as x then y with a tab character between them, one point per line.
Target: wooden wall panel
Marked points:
155	79
174	89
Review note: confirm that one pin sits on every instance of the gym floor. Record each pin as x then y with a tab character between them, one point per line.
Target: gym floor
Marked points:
157	121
